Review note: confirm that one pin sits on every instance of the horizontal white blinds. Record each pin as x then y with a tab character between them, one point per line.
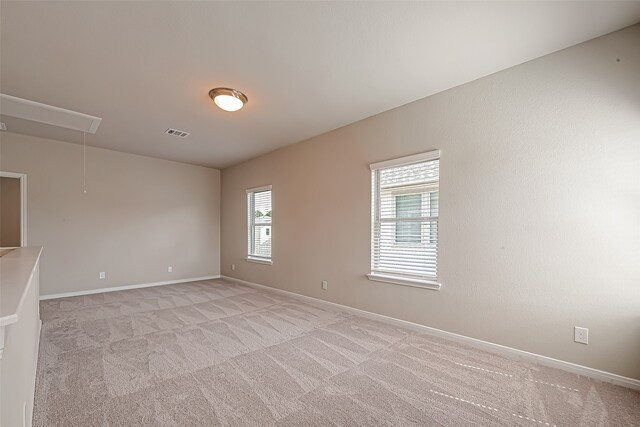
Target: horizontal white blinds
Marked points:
405	220
260	229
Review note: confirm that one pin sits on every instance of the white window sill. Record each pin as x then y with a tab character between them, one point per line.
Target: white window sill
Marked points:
397	280
259	260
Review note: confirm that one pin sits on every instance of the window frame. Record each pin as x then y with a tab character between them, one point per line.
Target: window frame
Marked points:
399	279
251	257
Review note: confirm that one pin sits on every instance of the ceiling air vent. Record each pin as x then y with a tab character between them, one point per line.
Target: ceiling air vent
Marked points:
176	132
3	126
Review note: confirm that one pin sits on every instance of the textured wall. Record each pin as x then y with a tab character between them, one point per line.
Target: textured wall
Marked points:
139	215
539	205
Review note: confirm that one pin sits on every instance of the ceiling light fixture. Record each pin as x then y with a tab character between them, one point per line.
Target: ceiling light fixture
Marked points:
228	99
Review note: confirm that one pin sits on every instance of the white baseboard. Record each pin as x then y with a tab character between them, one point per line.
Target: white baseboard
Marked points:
124	288
485	345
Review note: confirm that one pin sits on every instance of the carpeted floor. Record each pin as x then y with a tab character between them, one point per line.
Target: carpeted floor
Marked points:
212	353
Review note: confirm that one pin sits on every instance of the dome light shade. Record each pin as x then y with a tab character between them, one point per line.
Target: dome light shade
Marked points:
228	99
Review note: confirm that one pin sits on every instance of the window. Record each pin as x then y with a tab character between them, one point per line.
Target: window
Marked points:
404	235
259	219
408	206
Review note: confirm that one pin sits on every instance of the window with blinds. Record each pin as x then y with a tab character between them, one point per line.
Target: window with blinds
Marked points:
259	220
404	241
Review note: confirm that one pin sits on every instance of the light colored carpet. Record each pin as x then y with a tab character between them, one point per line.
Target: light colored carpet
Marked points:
212	353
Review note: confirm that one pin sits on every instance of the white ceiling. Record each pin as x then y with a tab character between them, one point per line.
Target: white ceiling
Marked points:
307	68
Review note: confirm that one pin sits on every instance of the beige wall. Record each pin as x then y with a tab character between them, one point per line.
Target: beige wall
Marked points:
139	215
9	212
539	205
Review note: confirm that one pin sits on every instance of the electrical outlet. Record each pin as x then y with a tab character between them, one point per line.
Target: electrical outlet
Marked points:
169	269
581	335
102	275
233	267
325	285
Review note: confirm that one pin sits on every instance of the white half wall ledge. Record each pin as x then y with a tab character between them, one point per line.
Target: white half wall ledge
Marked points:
474	342
48	114
125	287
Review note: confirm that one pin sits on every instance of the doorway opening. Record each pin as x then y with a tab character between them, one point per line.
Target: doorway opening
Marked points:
13	209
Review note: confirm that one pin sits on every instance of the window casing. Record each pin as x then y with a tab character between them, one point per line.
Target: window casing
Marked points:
260	229
404	230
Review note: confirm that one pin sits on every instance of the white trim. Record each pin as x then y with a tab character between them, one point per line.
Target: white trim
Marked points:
259	260
8	320
23	202
258	189
124	288
397	280
407	160
485	345
8	174
43	113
